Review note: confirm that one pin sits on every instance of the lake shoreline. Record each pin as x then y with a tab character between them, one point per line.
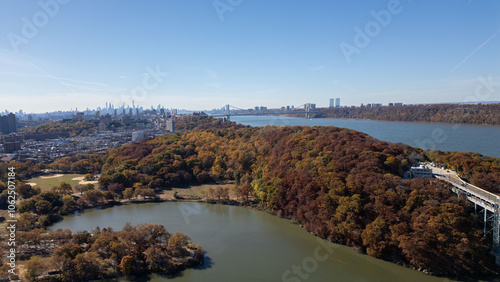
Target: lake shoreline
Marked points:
241	203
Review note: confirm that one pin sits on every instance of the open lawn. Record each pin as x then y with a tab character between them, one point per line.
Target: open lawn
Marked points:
46	182
191	191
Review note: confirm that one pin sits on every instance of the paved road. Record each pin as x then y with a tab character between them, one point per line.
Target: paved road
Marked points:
452	177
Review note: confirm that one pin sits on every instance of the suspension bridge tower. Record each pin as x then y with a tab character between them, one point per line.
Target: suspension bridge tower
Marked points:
307	108
227	112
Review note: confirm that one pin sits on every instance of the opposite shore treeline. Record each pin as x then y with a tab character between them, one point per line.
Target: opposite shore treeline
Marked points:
339	184
484	114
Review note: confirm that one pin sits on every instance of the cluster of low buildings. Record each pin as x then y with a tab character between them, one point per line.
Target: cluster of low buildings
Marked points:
374	105
46	147
48	150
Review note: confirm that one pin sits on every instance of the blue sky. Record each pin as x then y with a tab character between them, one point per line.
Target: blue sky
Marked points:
205	54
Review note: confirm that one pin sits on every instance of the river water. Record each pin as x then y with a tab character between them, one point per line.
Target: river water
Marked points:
434	136
242	244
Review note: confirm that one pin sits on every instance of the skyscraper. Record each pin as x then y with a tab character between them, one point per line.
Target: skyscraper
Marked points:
337	102
332	102
8	123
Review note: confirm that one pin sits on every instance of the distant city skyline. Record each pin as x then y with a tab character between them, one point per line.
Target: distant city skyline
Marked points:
103	111
57	55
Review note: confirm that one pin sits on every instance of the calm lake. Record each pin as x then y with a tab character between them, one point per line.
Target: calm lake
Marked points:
242	244
434	136
247	245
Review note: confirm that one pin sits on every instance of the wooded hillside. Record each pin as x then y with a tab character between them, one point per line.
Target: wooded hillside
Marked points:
442	113
338	183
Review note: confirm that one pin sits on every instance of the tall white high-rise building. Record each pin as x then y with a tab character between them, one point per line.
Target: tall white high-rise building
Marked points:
337	102
332	100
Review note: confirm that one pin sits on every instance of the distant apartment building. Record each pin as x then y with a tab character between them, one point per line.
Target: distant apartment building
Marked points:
170	125
395	104
127	120
101	127
12	143
106	118
137	136
334	102
421	171
78	116
8	123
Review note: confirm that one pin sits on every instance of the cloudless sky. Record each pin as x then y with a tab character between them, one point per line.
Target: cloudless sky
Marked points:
205	54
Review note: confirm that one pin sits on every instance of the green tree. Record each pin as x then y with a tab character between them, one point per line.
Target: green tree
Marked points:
62	189
27	191
34	267
374	239
128	193
93	197
88	266
68	201
177	244
43	207
83	188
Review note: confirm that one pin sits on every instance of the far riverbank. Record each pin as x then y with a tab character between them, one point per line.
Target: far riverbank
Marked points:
428	136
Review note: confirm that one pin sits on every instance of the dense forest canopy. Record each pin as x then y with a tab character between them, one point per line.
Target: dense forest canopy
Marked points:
339	184
443	113
84	256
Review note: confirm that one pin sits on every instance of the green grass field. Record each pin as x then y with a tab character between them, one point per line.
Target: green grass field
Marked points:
46	183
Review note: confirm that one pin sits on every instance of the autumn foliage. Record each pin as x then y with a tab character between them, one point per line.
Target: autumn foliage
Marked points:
443	113
85	256
74	128
337	183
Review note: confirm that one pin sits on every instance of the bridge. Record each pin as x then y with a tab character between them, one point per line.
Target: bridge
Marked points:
486	204
307	109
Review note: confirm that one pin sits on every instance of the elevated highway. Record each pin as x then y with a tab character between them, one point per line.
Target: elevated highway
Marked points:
485	203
